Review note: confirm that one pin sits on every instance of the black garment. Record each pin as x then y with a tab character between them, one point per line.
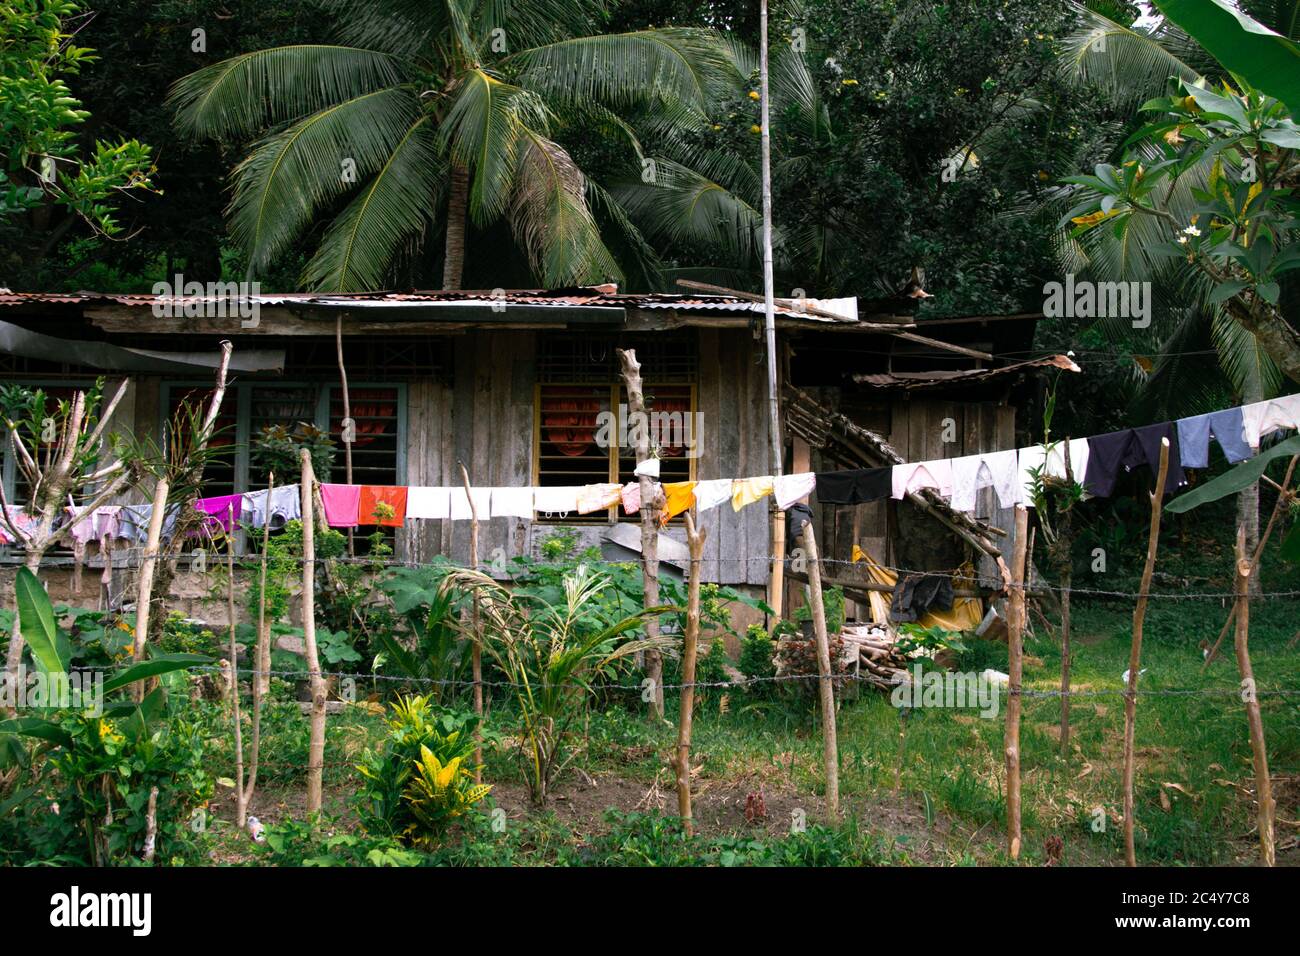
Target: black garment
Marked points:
796	516
1131	448
915	594
853	487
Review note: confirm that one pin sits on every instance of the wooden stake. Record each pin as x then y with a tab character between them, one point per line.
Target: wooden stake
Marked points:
826	690
1135	653
1066	565
650	492
144	590
476	647
1284	496
1259	753
690	647
316	745
262	669
347	415
1015	675
776	589
241	808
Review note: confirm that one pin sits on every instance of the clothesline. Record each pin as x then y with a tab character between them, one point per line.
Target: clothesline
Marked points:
1011	473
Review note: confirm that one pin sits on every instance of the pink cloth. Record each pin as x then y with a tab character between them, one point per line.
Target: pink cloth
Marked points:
342	505
631	498
222	511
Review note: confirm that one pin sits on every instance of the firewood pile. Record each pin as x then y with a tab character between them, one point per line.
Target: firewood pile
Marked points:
872	655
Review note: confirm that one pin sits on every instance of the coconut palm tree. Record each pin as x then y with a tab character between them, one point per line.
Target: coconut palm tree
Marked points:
451	113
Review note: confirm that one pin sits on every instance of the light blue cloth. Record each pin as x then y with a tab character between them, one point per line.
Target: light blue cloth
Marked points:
133	522
286	506
1226	426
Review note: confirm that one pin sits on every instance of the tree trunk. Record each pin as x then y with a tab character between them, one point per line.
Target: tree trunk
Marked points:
1135	656
636	407
826	689
690	646
1248	500
1015	672
144	596
316	744
1259	753
453	263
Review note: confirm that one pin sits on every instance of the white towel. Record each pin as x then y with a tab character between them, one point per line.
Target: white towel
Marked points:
556	501
512	502
432	503
998	470
1264	418
711	493
1033	457
916	475
790	488
460	504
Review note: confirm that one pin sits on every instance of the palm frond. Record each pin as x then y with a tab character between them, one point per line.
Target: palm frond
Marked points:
240	96
1132	66
393	208
551	220
1242	359
292	175
626	68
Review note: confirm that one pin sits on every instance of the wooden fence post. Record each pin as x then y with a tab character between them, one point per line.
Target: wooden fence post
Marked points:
1135	654
144	590
241	796
1259	753
1015	677
316	745
826	689
476	648
690	647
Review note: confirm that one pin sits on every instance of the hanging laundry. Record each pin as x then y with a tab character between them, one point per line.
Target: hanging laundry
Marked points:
342	505
460	510
512	502
431	503
999	470
649	468
679	496
222	511
276	508
1052	465
20	519
133	522
913	476
1264	418
915	595
81	533
384	505
797	516
711	493
631	496
745	491
598	497
791	488
1227	428
556	502
855	486
1131	448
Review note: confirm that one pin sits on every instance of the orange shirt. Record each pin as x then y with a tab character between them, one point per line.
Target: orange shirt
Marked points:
678	497
373	495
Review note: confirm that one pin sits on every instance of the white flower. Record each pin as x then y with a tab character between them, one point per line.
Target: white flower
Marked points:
1190	231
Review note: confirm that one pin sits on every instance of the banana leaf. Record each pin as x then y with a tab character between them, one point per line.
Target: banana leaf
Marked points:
1236	480
162	664
40	630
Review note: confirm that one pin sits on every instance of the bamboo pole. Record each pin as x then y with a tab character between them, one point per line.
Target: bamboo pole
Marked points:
826	691
476	647
241	806
690	647
1259	753
1015	675
776	588
316	746
1284	496
1066	564
1135	654
347	416
144	591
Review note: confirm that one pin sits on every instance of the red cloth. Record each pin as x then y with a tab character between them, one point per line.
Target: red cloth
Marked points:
372	495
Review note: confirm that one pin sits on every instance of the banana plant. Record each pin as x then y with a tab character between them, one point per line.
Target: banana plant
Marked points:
51	652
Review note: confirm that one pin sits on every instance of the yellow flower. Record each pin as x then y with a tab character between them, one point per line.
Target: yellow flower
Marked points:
756	129
753	94
849	82
1092	218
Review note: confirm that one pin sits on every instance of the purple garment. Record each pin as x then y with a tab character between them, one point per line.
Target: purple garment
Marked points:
220	510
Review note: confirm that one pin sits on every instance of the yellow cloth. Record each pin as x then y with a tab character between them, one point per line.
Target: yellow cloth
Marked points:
745	491
678	497
965	614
